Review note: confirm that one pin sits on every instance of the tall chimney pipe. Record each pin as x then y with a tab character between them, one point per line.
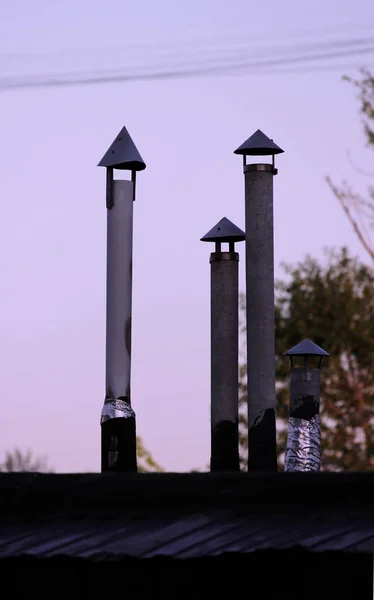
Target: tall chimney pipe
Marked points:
260	302
224	297
118	426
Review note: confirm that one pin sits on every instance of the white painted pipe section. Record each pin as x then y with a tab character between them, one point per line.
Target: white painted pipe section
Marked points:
119	301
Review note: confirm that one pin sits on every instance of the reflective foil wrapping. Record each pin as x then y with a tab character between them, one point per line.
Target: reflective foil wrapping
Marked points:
303	451
114	408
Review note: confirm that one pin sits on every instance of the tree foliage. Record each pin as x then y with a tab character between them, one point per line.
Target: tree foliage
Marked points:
25	461
332	303
18	461
146	462
358	209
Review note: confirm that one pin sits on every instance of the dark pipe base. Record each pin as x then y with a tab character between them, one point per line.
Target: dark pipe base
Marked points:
262	446
118	445
304	407
224	450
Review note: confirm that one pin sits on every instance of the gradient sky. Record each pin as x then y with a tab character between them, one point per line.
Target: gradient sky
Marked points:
53	217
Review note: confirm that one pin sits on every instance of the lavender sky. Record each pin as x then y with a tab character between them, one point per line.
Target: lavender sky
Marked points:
53	217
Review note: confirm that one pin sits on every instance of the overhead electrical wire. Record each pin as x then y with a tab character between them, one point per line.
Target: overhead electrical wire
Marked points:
200	45
245	52
248	51
265	60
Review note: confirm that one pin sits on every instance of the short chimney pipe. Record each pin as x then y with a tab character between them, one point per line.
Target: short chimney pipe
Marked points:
304	450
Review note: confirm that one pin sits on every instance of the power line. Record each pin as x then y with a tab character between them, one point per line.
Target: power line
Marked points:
239	51
205	67
199	45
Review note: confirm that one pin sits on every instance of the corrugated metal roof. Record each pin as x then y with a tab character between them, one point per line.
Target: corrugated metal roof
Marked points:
183	516
189	537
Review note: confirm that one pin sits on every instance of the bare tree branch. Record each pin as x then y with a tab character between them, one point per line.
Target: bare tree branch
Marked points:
358	169
344	204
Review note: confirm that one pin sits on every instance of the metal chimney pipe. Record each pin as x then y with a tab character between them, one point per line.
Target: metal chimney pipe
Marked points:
118	426
260	302
304	450
224	285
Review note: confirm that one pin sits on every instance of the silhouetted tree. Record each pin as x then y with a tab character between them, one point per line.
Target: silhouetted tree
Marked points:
17	460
